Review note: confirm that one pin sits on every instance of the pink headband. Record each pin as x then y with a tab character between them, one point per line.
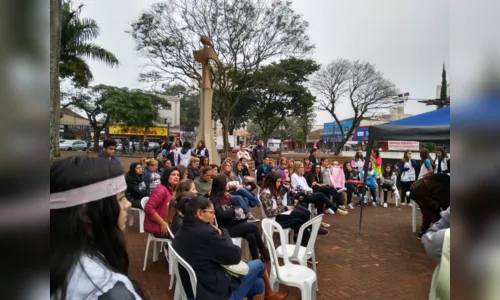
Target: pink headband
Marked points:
88	193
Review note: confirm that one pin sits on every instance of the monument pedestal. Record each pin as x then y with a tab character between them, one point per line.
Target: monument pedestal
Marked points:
206	133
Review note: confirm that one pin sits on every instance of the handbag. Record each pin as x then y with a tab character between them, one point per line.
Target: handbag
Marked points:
240	269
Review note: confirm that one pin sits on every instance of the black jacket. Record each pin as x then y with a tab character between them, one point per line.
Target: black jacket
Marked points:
201	246
136	186
258	154
193	172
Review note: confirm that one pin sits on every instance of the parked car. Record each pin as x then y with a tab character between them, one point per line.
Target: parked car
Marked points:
70	145
274	150
100	145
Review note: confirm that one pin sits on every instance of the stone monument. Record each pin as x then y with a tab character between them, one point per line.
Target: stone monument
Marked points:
205	132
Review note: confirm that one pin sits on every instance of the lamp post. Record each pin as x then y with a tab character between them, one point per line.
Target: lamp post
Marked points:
168	120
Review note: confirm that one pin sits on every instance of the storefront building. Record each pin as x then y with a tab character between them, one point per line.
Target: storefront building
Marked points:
154	134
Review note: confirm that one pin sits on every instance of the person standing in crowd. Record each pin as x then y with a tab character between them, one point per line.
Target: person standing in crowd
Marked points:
259	153
203	183
88	256
313	158
201	150
184	155
126	145
442	162
193	168
136	186
407	167
358	162
178	144
146	146
376	161
425	164
388	183
243	153
109	150
156	208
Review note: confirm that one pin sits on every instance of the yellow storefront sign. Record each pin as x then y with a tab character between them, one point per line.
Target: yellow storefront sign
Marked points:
123	130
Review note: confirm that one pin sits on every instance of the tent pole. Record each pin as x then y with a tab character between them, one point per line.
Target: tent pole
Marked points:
363	188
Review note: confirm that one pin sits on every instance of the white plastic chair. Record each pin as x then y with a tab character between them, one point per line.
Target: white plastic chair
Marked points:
180	293
288	274
141	216
393	196
170	258
242	243
289	231
300	253
151	238
413	213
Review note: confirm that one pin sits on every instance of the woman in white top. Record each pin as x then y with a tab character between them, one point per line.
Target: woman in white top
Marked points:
425	164
358	162
442	162
88	214
319	199
407	167
243	153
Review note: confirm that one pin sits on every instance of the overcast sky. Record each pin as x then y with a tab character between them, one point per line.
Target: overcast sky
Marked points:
407	40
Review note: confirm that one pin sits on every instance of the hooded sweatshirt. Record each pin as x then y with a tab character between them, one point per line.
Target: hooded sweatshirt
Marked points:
136	186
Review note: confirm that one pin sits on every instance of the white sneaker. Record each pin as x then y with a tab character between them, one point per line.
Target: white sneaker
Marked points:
350	206
410	204
329	211
385	205
374	203
404	203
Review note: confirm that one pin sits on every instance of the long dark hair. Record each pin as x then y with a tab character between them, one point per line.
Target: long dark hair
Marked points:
202	145
166	175
87	229
178	204
386	174
131	170
270	183
424	154
184	185
219	186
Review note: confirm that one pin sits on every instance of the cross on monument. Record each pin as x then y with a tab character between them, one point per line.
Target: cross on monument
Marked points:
205	134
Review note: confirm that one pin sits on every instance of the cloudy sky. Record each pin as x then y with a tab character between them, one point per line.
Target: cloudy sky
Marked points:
407	40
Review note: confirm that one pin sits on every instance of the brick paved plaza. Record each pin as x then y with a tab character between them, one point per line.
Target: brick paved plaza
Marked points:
386	262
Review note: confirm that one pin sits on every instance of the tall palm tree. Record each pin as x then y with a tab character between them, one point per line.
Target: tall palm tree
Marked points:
76	44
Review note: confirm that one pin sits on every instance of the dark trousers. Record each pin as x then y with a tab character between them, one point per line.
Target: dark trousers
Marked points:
351	188
252	185
299	216
428	216
136	203
319	200
329	191
249	232
405	187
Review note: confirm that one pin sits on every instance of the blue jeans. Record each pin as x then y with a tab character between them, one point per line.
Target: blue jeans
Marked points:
247	196
238	201
252	284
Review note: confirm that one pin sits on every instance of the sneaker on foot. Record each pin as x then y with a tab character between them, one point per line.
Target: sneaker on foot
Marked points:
341	212
252	219
329	211
410	204
325	225
350	206
374	203
342	207
385	205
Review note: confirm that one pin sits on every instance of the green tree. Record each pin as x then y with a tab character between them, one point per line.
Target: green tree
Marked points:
135	108
77	34
245	35
357	82
94	102
278	92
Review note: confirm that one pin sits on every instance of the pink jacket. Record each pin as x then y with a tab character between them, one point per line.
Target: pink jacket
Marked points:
158	200
336	178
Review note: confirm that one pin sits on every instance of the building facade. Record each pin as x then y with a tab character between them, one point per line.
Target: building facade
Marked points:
74	126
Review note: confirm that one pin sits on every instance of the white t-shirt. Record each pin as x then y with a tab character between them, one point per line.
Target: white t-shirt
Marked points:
88	274
407	176
300	183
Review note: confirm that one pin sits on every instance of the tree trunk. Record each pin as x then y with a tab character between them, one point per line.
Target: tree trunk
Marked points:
55	92
97	135
225	135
